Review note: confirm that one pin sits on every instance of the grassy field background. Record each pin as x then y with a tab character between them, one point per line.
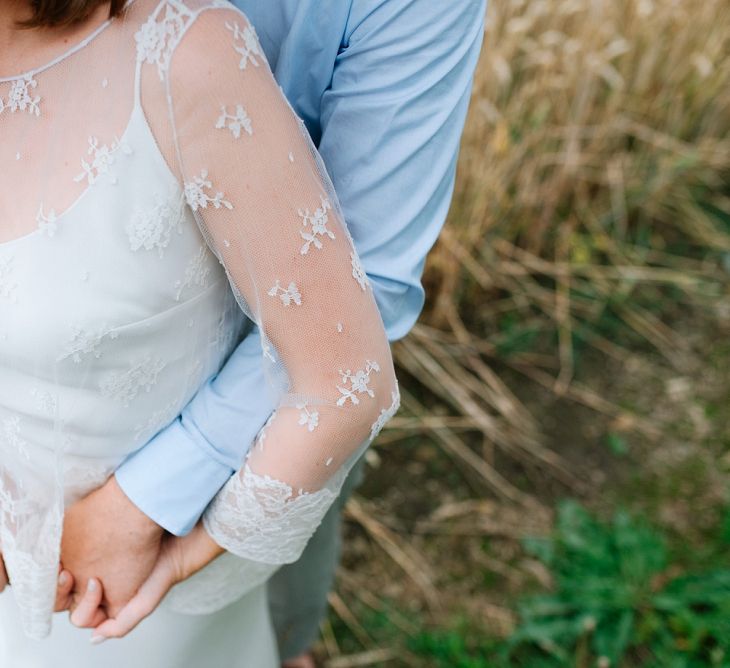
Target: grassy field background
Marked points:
554	491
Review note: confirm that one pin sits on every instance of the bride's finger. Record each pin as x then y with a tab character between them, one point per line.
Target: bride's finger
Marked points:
88	614
63	591
142	604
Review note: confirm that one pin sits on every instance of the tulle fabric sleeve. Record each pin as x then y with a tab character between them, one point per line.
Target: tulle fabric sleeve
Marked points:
266	208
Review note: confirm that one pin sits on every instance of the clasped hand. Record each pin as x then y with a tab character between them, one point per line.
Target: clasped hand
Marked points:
117	564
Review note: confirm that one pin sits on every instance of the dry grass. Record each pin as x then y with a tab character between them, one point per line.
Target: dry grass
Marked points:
593	209
593	182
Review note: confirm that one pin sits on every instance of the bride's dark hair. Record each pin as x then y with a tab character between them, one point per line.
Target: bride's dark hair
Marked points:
59	13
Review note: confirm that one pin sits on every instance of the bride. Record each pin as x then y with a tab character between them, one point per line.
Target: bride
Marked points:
159	196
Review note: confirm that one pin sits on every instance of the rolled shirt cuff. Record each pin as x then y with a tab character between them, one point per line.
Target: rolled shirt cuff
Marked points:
152	477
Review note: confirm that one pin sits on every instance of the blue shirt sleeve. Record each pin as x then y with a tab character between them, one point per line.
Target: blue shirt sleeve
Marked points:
391	124
392	121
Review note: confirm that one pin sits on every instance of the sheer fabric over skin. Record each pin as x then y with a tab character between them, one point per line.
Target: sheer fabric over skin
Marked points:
160	188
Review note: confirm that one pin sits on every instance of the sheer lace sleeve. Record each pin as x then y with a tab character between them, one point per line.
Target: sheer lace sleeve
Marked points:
267	210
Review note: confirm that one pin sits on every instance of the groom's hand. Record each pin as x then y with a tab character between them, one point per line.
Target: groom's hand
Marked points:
105	536
179	559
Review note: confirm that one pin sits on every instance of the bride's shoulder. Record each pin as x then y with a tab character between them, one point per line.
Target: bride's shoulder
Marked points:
181	36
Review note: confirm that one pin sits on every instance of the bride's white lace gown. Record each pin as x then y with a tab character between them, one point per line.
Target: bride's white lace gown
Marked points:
157	195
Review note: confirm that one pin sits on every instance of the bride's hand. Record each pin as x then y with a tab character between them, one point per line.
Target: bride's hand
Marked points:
179	558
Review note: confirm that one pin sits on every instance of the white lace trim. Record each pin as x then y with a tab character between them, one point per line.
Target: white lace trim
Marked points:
259	518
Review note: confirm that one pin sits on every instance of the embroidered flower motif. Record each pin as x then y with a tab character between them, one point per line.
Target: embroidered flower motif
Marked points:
7	285
103	157
235	122
385	414
197	198
20	98
158	419
46	223
124	386
45	400
307	418
196	273
358	383
250	49
85	342
358	273
287	295
317	221
10	437
156	40
152	228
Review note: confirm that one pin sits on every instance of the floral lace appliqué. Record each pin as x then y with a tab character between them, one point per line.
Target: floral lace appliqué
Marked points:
287	295
197	198
46	222
124	386
249	49
85	342
315	226
20	97
102	159
10	437
307	418
156	40
240	121
152	228
196	273
358	383
156	420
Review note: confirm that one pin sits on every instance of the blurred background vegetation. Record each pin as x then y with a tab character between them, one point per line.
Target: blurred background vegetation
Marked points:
554	491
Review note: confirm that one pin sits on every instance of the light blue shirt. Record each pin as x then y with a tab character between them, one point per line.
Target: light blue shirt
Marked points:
383	87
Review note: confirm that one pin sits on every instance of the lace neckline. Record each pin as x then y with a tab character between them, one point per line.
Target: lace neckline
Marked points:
28	74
